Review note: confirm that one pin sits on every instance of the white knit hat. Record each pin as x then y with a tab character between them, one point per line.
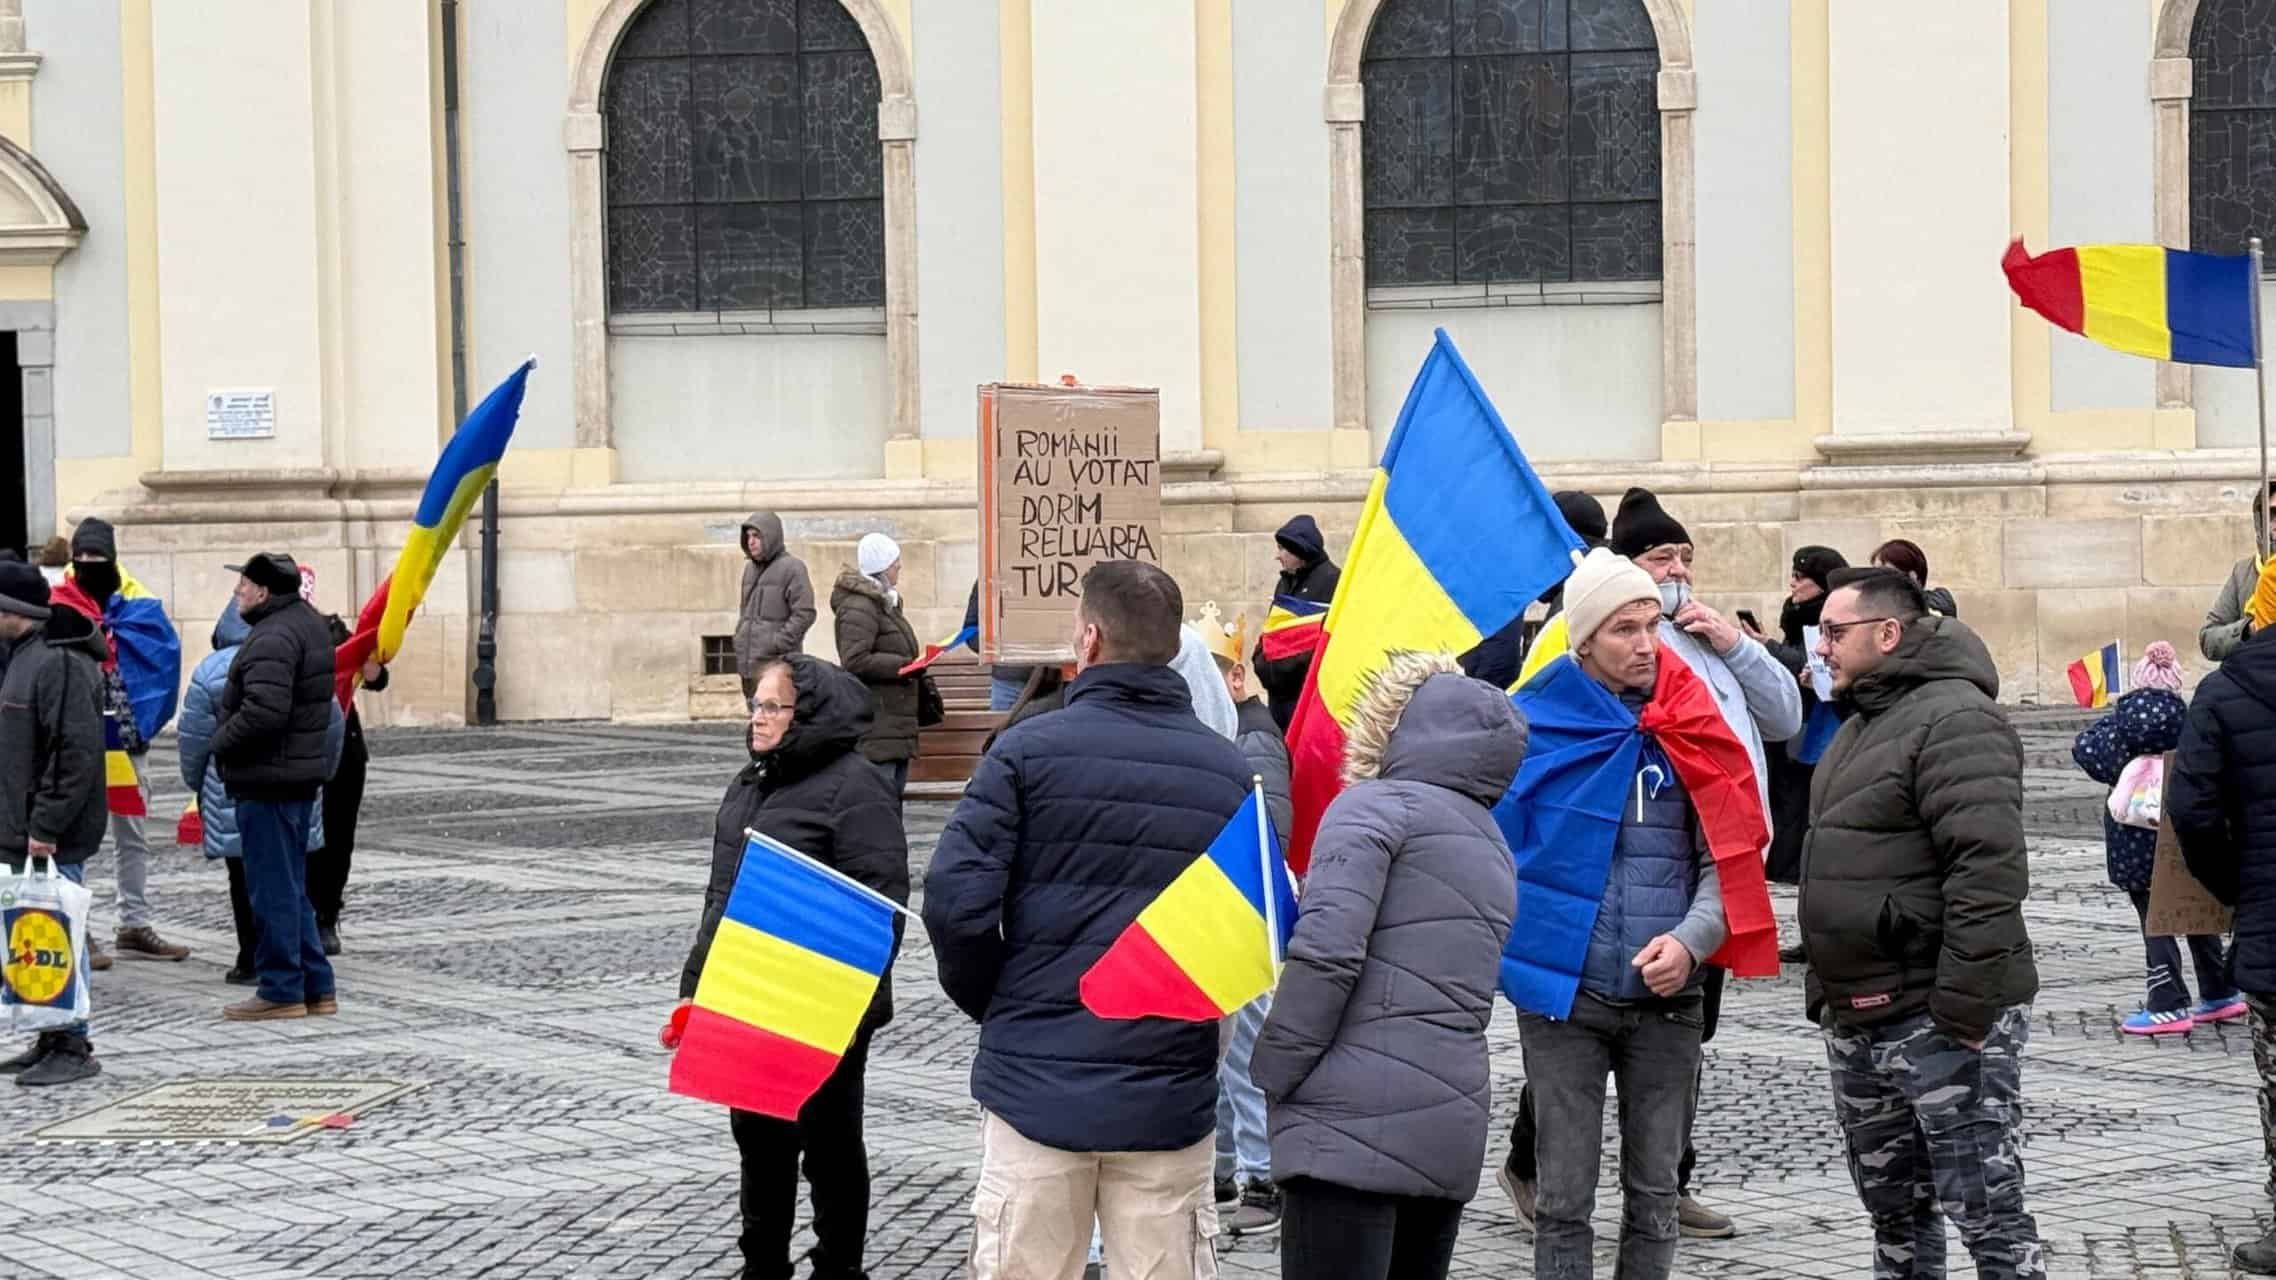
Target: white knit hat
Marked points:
1598	588
876	554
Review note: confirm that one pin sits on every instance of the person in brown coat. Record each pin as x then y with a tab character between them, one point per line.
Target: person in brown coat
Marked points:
777	602
874	642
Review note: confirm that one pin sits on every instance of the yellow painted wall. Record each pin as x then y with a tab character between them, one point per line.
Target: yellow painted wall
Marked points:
1213	142
1018	97
1813	221
144	389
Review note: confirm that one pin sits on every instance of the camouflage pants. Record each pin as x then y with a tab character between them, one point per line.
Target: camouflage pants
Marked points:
1929	1122
2263	1010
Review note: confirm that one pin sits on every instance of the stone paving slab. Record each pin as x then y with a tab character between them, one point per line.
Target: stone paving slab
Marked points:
516	922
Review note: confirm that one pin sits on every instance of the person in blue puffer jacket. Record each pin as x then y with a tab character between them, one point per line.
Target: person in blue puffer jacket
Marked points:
217	813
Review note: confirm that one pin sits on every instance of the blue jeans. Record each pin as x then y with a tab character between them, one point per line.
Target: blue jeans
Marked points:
1003	693
76	873
288	957
1244	1151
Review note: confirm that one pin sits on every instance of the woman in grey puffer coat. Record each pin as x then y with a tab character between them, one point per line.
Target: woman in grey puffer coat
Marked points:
1374	1058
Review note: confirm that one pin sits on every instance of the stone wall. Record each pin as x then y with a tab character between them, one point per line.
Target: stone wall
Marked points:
606	594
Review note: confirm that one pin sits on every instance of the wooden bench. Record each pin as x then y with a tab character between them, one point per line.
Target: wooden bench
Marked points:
950	750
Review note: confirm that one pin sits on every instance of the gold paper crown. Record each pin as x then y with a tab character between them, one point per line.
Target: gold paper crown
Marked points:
1223	643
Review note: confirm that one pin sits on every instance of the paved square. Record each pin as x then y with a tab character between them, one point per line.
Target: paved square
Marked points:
520	908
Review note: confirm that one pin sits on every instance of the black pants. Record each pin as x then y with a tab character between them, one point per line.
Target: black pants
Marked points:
343	798
827	1139
1330	1232
1524	1131
240	912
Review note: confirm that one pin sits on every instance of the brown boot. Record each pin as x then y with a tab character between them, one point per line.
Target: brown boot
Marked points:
143	943
259	1010
98	959
323	1006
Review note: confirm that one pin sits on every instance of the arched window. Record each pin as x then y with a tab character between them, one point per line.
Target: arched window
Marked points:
1511	141
2232	124
744	168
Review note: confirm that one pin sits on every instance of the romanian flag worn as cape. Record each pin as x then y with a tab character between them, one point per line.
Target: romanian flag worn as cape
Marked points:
468	464
1292	627
1458	536
1562	814
145	651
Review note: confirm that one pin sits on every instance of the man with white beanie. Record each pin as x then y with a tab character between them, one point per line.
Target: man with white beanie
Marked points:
875	641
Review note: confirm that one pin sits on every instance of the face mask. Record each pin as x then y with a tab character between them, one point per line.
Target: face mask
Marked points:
1673	596
98	578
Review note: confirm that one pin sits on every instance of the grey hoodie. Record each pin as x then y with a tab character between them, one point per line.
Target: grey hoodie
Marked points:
1374	1056
777	601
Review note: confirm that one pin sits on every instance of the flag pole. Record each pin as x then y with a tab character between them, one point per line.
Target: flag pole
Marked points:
1271	886
2260	386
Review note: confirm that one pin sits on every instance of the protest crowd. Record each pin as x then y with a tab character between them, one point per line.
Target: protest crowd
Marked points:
1232	913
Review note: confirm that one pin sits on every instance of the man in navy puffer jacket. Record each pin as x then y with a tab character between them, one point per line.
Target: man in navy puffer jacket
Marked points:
1074	822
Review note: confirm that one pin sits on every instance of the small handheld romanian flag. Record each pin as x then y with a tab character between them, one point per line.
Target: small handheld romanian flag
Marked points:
122	790
793	966
935	652
2143	299
2094	678
1213	940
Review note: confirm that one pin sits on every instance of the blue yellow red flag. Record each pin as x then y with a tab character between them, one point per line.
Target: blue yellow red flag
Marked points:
1213	941
935	652
122	790
2095	678
1292	627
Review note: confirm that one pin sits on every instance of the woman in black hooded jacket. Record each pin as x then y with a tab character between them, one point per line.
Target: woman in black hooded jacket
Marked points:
808	787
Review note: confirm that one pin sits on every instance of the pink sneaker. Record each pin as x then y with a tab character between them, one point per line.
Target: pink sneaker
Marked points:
2146	1023
2226	1009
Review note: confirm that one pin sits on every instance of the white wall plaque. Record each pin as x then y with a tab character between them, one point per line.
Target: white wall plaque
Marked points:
248	413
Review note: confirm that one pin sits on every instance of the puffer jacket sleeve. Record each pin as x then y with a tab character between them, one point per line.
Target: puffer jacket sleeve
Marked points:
266	709
798	595
964	886
70	712
1774	697
2225	624
869	843
2193	802
1268	759
1970	789
2144	723
1351	861
194	728
858	625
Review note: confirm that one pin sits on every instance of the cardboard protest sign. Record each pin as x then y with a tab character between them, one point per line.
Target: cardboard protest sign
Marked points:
1069	476
2180	907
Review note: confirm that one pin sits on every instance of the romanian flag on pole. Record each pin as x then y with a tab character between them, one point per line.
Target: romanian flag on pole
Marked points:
1213	941
122	790
2095	679
1457	537
2144	299
793	966
934	652
1292	627
468	463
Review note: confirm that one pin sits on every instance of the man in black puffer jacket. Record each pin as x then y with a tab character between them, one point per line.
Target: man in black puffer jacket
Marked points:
269	745
1074	822
1306	573
2221	799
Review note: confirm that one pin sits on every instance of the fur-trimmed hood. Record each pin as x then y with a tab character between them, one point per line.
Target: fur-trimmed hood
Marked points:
1422	720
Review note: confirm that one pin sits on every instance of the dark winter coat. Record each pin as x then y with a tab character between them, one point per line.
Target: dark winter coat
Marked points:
269	740
874	642
1940	602
777	606
51	740
1374	1056
1072	824
1789	777
2221	800
201	713
1915	870
814	793
2146	722
1283	680
1262	746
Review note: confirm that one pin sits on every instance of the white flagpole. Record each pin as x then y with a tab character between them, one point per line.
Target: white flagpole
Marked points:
1271	886
2260	386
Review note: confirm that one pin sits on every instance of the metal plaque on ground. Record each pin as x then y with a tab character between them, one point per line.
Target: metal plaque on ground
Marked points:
237	1110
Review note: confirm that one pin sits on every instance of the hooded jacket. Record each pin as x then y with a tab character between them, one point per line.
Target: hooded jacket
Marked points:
269	739
51	739
1283	680
2221	800
814	793
777	602
2226	626
1374	1055
874	642
1915	870
1073	823
2146	722
201	712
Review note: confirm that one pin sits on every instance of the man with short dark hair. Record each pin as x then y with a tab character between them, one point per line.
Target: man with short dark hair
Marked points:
1072	824
1921	973
270	745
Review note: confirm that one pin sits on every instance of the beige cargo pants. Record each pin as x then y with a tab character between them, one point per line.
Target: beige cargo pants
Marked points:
1032	1216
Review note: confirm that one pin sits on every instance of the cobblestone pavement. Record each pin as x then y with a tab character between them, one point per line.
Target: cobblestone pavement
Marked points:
518	916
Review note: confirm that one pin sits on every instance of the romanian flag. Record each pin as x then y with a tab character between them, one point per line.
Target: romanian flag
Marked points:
1292	628
793	967
2144	299
1458	536
468	463
934	652
145	651
1587	757
122	789
190	829
2095	679
1213	941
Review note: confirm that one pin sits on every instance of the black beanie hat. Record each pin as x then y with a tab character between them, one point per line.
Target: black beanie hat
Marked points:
95	537
1642	525
1583	513
23	590
1818	563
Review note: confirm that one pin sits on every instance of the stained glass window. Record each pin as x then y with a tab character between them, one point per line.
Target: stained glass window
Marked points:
744	170
2232	125
1511	141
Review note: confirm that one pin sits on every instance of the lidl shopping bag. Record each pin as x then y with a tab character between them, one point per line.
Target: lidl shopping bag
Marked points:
43	981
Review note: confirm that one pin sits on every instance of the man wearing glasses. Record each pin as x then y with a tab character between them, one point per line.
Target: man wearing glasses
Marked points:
1921	973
